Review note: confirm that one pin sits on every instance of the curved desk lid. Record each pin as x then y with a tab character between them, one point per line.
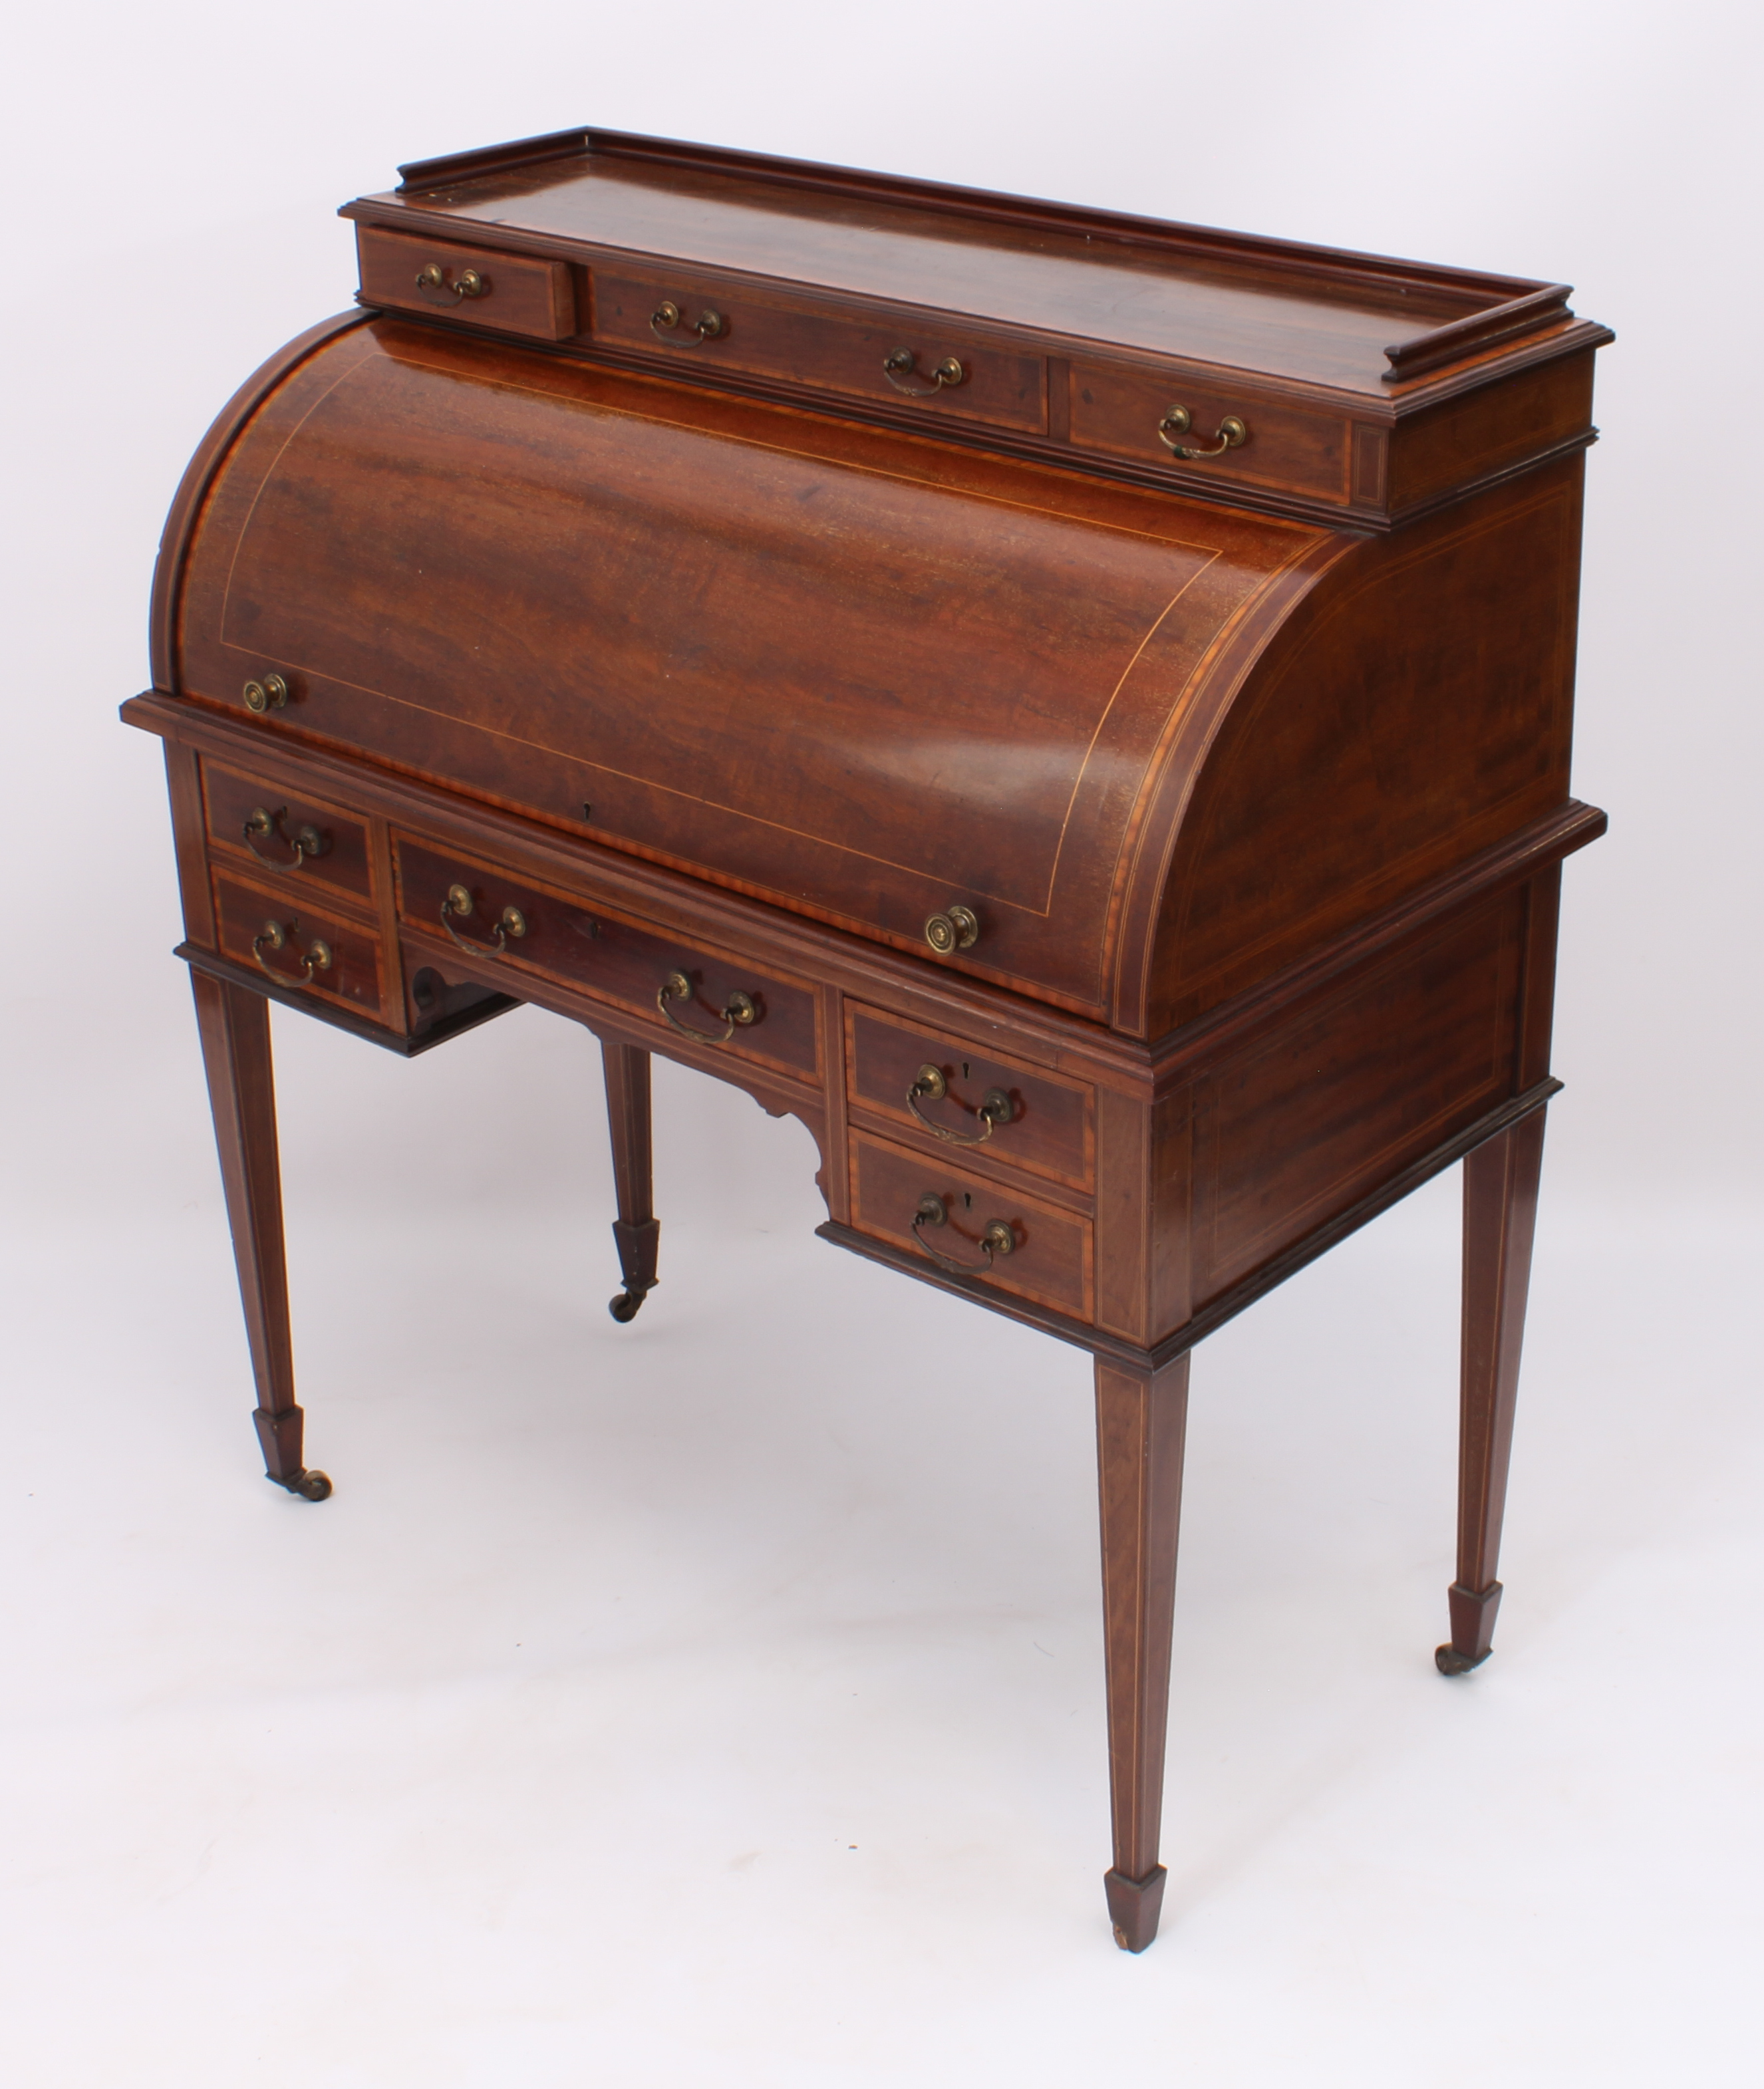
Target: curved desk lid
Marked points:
859	675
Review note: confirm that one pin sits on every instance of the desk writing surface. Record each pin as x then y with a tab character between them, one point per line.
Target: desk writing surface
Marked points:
1089	289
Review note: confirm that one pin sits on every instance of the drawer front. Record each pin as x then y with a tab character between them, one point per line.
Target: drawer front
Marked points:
800	343
291	838
505	293
299	946
620	962
1048	1131
1049	1260
1117	410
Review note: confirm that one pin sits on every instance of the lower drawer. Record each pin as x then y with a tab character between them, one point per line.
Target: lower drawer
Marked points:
308	949
898	1196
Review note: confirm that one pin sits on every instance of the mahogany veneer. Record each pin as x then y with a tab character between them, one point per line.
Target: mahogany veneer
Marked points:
1076	709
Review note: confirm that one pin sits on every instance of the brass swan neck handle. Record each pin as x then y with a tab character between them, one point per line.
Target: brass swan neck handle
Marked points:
996	1238
931	1085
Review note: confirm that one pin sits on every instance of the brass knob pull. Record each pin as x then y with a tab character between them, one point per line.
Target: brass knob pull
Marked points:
1233	434
903	363
664	323
930	1082
468	283
510	922
956	928
739	1009
274	935
268	693
995	1240
306	842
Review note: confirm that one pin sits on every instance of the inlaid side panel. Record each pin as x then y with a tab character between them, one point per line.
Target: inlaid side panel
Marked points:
1123	1214
1416	710
1351	1089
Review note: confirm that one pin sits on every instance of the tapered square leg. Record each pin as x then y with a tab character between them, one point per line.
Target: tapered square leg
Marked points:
1141	1420
1501	1209
234	1028
636	1232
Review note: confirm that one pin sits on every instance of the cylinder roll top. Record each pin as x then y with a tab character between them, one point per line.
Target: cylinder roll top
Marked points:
872	679
807	661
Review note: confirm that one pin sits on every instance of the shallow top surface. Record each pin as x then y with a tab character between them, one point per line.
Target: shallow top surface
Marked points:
1318	326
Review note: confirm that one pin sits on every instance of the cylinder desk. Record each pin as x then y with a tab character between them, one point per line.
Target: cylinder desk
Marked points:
1074	708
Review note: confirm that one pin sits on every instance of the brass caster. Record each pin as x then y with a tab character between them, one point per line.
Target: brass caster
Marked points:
624	1307
1450	1661
309	1483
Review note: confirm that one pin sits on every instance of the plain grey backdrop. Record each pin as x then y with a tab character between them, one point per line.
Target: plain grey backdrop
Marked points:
719	1700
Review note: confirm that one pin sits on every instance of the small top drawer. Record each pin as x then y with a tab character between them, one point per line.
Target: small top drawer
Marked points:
506	293
936	367
293	837
947	1094
1151	417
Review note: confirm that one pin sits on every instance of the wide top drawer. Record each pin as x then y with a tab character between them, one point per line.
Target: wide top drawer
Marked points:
694	320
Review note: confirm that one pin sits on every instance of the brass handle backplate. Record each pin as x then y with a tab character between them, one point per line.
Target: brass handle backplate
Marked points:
468	283
275	936
996	1238
266	693
306	842
510	922
1233	435
665	324
740	1009
932	1084
956	928
903	363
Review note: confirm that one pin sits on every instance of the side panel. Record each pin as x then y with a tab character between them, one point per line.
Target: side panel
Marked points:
1340	1092
1414	709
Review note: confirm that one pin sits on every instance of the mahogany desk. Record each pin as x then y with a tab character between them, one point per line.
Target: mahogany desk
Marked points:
1075	709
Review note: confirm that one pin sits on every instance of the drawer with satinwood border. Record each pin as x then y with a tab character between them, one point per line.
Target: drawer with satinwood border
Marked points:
299	943
968	1225
1217	430
279	838
700	325
511	293
936	1091
712	1000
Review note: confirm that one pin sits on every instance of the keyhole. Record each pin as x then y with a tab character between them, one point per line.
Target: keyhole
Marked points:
964	1070
967	1202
